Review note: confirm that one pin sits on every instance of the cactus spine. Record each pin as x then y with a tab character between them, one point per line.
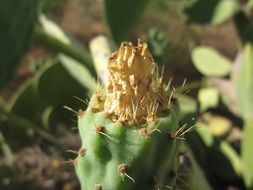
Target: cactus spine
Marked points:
129	131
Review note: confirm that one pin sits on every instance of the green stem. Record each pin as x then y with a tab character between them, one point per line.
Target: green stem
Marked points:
52	42
6	148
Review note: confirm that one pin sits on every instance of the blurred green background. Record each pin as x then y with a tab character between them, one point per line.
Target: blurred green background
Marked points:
53	53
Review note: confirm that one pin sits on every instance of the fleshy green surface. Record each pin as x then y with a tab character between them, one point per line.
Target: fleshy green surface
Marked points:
17	19
122	16
147	158
212	12
209	62
247	154
208	98
245	84
245	104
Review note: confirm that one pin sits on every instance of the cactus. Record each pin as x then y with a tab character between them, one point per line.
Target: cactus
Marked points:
129	132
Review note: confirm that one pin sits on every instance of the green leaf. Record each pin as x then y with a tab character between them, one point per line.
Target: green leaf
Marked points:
211	11
224	10
210	62
26	102
245	84
187	105
57	87
249	6
197	179
122	16
208	97
244	27
247	153
224	158
5	149
51	35
245	103
17	19
79	73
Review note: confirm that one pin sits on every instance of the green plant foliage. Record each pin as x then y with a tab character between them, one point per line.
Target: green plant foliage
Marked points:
122	16
197	180
187	105
141	130
26	102
148	159
209	62
219	126
79	73
17	18
208	97
57	87
247	154
245	84
7	172
158	43
244	27
47	117
224	158
64	82
245	103
51	35
211	11
27	106
5	149
47	5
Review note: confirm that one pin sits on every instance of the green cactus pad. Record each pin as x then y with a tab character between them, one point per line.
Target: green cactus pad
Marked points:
149	153
129	132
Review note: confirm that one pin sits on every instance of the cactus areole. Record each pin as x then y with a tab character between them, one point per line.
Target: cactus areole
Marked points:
129	130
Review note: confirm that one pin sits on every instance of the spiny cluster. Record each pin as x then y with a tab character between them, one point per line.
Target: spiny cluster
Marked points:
136	94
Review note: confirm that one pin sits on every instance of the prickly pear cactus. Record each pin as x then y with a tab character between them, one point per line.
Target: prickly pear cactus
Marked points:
130	136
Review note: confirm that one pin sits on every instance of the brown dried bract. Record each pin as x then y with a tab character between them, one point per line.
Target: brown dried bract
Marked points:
81	113
144	132
100	129
82	151
122	168
134	91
